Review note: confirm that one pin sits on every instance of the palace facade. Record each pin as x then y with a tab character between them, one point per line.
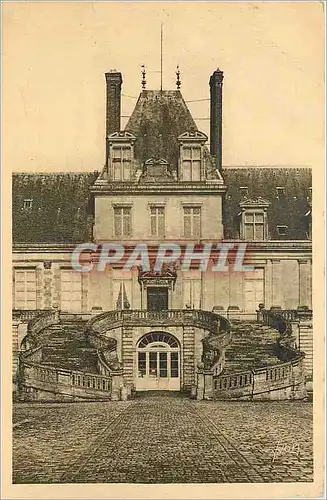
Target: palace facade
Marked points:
161	183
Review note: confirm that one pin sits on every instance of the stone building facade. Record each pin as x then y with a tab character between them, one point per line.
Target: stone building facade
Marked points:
161	182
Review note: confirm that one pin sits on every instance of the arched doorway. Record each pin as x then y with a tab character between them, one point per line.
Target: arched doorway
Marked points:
158	363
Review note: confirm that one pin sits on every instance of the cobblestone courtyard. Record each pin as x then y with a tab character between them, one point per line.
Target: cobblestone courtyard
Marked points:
162	438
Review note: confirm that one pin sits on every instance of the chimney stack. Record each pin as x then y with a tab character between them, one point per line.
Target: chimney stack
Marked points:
216	98
114	81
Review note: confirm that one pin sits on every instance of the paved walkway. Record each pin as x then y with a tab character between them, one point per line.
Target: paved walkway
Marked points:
162	439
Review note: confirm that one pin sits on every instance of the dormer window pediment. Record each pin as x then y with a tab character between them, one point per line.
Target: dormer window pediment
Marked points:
157	168
195	136
122	137
256	202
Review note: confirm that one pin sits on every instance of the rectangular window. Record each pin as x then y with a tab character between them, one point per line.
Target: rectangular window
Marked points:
121	163
142	364
123	221
254	228
174	364
157	221
153	364
192	221
191	164
71	291
192	289
254	289
281	230
163	364
25	289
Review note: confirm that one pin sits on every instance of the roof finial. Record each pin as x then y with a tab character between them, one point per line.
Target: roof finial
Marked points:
178	81
143	82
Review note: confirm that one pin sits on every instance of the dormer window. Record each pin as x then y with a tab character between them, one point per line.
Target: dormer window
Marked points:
253	224
121	163
280	191
191	166
28	204
121	156
282	230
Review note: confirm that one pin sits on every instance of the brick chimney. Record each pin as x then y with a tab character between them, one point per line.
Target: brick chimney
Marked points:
114	81
216	98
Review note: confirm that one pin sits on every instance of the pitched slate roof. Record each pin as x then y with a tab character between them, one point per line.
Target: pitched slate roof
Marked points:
62	209
158	119
286	208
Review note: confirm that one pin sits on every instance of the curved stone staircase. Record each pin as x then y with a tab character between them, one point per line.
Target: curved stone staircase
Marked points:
260	363
66	346
252	346
61	362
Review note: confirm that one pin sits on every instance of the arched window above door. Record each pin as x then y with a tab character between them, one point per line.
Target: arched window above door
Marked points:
149	338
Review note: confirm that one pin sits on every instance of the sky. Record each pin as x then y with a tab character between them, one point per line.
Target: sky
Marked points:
55	56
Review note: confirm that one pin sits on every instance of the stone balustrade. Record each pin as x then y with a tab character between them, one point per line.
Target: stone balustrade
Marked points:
24	315
174	317
56	383
44	319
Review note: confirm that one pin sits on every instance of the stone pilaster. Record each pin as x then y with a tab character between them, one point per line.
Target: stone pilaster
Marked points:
306	345
235	287
188	358
39	293
15	347
305	283
85	292
56	287
47	284
268	285
277	286
128	354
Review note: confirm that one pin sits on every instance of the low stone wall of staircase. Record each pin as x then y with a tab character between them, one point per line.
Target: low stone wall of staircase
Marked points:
278	382
47	383
281	380
36	381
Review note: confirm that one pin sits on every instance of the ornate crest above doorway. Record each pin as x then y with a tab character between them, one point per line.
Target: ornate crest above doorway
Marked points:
165	278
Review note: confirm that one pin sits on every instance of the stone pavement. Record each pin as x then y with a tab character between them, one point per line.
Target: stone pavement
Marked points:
162	438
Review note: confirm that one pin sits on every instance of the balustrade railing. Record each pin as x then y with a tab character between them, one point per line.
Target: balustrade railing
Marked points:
207	320
44	319
53	375
235	381
24	314
282	317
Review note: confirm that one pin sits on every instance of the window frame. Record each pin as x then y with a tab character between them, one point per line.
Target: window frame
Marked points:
123	163
281	226
244	223
27	204
156	217
25	290
122	207
191	207
120	141
191	139
192	160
